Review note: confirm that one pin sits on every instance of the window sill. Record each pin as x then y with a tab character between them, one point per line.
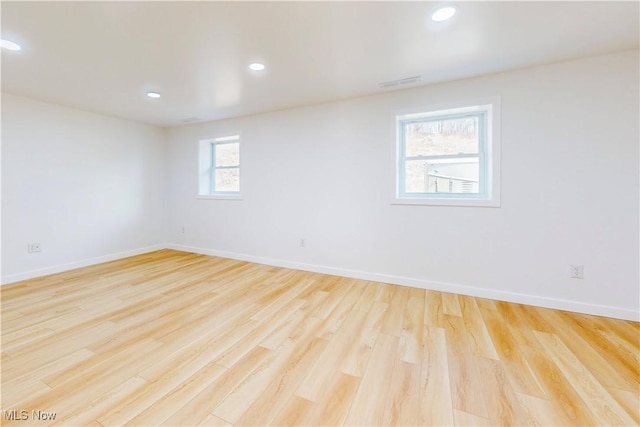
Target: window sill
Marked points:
448	202
218	197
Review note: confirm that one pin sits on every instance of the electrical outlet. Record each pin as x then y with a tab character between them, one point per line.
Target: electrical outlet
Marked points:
182	230
576	271
33	248
303	243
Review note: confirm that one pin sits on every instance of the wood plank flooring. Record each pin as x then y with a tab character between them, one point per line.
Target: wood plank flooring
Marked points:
179	339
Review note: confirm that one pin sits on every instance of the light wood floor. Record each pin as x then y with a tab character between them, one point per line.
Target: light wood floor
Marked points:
172	338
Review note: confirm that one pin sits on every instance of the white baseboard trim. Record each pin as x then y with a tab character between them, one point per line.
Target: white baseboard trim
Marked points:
11	278
540	301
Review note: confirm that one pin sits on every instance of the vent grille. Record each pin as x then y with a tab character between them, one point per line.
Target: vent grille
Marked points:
401	82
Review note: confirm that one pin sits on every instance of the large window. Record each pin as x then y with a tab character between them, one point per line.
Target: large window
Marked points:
448	156
220	166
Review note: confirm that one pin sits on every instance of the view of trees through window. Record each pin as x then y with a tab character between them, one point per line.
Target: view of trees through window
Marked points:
441	156
227	166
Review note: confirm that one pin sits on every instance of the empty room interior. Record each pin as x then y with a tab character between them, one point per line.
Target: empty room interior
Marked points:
320	213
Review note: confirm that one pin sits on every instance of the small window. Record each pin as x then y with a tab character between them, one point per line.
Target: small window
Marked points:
220	166
448	156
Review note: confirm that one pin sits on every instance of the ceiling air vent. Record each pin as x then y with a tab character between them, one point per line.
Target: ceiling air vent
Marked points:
190	119
400	82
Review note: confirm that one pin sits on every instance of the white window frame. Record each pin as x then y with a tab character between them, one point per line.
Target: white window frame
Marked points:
207	166
488	111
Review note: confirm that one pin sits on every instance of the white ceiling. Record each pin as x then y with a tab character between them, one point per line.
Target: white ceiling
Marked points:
104	56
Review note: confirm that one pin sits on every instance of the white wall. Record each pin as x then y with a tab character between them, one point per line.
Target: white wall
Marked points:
90	188
570	192
86	186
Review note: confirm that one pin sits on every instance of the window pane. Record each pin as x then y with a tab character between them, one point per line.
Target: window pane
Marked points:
228	154
442	176
441	137
228	180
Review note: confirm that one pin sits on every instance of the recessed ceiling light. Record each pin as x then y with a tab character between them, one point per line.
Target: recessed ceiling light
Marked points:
256	66
7	44
153	94
443	13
